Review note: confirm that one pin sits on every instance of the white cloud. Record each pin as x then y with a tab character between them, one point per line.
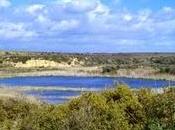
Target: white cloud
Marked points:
33	9
64	25
78	5
55	25
42	19
144	15
88	20
64	1
167	9
100	12
127	17
10	30
5	3
101	9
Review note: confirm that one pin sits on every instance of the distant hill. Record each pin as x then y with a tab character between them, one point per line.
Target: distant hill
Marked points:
121	64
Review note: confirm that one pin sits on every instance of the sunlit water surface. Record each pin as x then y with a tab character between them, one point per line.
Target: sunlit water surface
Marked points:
58	89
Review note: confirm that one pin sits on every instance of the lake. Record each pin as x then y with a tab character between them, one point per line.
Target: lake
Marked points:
58	89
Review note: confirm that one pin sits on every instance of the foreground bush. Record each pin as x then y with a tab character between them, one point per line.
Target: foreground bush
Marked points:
116	109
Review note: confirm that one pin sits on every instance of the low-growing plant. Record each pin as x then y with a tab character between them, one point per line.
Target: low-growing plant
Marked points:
120	108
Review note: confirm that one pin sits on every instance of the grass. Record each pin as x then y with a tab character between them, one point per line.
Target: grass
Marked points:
15	93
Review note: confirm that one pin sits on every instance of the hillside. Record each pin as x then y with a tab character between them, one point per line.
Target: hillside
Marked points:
133	65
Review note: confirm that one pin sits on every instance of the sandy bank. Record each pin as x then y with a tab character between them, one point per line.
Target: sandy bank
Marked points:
86	73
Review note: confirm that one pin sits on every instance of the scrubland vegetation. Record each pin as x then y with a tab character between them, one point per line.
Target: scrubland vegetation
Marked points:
110	64
116	109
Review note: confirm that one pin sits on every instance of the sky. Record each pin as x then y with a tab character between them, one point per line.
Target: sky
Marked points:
110	26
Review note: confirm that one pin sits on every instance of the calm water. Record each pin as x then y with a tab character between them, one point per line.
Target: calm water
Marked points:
58	89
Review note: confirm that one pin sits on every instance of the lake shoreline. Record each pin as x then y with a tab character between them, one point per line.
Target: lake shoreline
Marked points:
20	93
85	74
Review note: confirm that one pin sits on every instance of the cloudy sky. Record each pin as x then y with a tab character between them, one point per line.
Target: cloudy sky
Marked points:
88	25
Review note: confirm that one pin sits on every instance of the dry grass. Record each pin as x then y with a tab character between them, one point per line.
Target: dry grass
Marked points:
7	93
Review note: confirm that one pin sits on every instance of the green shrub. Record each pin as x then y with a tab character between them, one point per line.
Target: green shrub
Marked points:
110	69
116	109
169	70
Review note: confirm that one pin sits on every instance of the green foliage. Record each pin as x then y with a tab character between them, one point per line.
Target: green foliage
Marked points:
110	69
116	109
170	70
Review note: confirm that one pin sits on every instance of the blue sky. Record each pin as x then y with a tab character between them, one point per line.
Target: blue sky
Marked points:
88	25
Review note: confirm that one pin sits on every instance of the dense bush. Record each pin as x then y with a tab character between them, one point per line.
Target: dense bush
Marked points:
110	69
116	109
170	70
